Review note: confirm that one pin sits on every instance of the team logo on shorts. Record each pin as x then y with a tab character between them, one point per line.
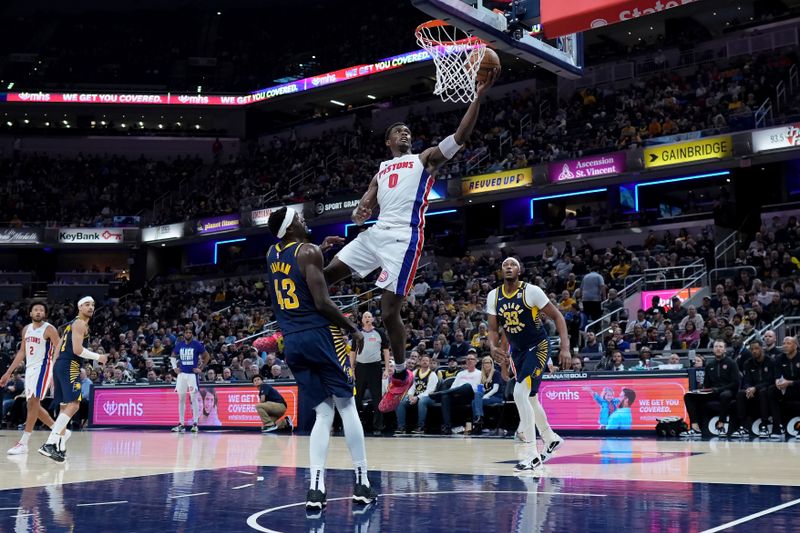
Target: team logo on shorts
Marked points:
537	372
384	276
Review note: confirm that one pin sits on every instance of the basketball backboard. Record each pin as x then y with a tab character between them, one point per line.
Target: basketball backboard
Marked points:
511	27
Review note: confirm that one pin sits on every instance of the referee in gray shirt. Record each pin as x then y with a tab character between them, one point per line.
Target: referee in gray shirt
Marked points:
369	366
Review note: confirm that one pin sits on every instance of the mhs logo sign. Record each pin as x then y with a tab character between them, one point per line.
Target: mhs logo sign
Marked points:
563	395
122	409
102	236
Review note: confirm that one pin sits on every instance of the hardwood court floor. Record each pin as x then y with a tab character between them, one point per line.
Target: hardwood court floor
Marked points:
229	481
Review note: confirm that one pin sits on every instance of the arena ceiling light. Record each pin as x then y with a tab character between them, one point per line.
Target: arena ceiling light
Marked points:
673	180
565	195
372	97
432	214
337	102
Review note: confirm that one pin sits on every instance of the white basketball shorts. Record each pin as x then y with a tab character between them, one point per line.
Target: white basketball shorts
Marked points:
394	249
187	382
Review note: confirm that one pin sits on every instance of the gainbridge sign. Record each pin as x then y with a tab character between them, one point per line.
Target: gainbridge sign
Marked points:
498	181
688	152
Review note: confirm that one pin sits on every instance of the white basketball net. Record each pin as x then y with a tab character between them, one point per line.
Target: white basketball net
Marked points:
457	56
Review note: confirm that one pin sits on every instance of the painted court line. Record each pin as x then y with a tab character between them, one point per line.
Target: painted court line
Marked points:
187	495
10	508
252	520
248	473
100	503
21	515
752	516
243	486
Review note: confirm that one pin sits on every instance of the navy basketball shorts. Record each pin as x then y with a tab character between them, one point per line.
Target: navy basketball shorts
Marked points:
529	363
320	362
66	381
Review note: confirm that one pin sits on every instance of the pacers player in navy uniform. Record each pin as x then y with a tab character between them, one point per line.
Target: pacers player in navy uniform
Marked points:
315	349
66	377
515	307
190	353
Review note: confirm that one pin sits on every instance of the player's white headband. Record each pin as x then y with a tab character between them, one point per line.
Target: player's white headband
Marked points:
85	299
287	220
519	266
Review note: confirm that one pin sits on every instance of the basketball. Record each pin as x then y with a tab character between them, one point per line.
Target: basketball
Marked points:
490	60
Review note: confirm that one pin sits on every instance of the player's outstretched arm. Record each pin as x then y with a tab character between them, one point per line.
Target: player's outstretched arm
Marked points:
16	362
436	156
367	204
310	261
79	331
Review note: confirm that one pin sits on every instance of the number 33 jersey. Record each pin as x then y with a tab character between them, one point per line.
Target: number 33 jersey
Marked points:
291	298
518	314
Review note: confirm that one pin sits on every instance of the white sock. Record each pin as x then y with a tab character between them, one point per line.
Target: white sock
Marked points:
548	435
181	407
24	439
318	443
527	418
58	427
354	435
195	399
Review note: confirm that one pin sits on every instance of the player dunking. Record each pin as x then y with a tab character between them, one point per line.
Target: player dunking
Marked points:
191	353
315	349
400	189
39	339
515	307
66	377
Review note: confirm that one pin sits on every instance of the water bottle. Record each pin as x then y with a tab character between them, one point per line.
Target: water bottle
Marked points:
480	389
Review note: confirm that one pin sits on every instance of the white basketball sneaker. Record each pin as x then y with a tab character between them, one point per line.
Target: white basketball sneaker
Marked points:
18	449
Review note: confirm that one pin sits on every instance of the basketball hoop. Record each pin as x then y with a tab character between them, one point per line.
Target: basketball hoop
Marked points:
457	56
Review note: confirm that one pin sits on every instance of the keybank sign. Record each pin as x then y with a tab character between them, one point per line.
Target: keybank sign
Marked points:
90	236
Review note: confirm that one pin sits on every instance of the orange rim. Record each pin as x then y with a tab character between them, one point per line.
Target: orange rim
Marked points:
470	39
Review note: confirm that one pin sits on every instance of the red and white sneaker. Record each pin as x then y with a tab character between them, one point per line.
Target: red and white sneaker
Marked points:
395	392
18	449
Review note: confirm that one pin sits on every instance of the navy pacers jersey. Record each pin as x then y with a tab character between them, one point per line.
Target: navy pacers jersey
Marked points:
66	353
291	298
67	368
518	314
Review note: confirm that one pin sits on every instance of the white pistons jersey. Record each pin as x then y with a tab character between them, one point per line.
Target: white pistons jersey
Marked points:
403	189
37	348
